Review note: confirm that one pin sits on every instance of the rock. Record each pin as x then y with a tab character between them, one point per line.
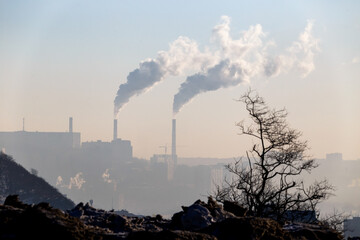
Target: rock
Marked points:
199	215
77	211
43	205
44	222
198	221
301	231
176	221
168	234
127	214
235	208
99	218
220	214
196	217
158	217
14	201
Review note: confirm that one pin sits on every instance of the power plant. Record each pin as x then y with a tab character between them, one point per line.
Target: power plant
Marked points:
107	172
33	143
46	141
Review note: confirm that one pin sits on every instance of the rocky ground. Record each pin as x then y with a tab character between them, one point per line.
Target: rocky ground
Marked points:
198	221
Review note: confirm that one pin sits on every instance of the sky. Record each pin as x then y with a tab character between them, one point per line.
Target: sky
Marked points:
61	59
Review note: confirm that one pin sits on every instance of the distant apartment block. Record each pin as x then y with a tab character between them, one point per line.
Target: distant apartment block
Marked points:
334	157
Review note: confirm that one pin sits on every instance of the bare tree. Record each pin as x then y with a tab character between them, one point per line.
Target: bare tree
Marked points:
336	220
267	180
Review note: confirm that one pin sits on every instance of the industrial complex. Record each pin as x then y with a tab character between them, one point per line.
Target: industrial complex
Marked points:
107	172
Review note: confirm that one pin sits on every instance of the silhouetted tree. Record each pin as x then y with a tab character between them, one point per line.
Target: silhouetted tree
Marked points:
267	180
335	220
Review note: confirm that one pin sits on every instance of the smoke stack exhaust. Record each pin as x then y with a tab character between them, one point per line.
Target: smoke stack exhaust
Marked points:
70	124
173	143
115	129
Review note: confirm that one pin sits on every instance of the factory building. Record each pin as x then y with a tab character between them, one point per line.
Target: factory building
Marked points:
31	148
13	141
107	173
117	149
39	141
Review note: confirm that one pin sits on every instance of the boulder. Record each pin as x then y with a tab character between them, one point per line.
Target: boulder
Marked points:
196	217
216	210
199	215
77	211
235	208
14	201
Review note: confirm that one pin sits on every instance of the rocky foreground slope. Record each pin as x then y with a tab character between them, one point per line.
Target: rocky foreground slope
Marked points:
15	179
198	221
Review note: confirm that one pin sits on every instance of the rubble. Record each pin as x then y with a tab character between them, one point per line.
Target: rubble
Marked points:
201	220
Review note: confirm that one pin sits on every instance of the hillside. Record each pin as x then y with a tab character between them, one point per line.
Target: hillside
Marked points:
14	179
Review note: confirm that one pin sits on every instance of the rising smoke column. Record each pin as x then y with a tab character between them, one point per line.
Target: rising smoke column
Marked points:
229	63
139	80
239	60
183	54
75	182
221	75
246	57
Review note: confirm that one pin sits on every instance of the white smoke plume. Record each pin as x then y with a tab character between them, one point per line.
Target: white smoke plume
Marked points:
142	78
243	58
354	183
106	176
183	53
226	64
77	181
59	181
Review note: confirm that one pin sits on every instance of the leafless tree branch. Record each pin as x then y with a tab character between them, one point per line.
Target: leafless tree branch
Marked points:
267	182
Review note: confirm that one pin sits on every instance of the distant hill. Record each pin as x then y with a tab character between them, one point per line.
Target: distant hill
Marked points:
14	179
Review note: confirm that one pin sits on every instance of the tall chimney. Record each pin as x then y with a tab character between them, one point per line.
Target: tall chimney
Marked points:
173	144
115	129
70	124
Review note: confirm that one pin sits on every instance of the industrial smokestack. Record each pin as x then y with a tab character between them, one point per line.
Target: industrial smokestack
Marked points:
70	124
173	144
115	129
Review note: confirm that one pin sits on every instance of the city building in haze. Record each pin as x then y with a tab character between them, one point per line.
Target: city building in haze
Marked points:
334	157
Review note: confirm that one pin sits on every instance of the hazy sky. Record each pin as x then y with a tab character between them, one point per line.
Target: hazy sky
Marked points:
68	58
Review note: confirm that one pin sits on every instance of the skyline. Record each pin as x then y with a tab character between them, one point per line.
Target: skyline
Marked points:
60	60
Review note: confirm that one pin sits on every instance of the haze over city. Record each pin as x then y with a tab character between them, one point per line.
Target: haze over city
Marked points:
179	119
68	58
